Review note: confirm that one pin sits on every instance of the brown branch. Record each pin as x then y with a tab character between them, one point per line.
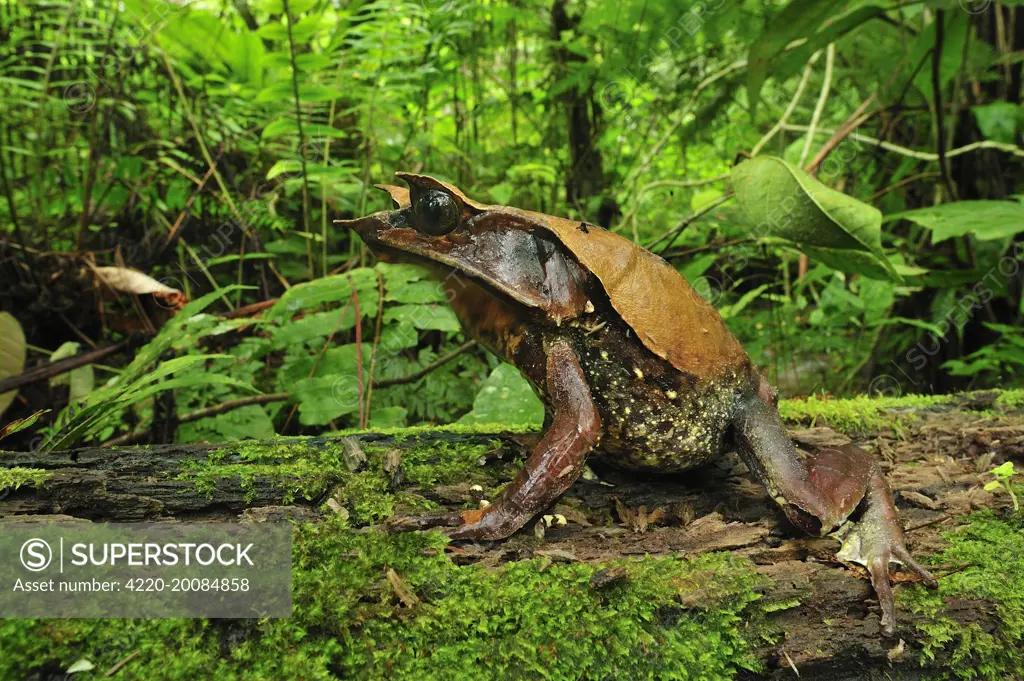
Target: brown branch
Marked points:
191	199
842	132
902	183
674	233
63	366
416	375
250	310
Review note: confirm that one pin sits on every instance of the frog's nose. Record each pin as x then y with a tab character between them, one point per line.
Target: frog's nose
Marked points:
368	226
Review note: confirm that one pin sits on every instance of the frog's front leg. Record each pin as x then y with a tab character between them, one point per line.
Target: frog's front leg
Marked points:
555	462
553	465
820	492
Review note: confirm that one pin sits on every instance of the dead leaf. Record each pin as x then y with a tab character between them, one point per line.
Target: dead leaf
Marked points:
127	280
21	424
638	520
402	590
353	454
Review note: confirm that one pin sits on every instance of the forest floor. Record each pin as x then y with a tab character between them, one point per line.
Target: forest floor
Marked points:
691	576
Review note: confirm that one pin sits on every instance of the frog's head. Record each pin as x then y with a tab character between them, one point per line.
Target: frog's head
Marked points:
508	249
428	220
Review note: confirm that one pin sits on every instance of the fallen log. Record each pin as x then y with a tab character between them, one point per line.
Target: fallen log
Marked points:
627	577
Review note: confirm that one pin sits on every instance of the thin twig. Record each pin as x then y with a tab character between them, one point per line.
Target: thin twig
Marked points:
791	107
302	137
376	339
940	124
855	120
914	153
667	183
826	86
359	351
902	183
117	667
188	204
57	368
672	234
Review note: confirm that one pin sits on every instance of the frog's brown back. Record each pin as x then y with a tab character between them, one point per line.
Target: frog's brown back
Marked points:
668	316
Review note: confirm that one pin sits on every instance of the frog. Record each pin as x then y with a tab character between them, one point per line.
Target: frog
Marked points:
634	367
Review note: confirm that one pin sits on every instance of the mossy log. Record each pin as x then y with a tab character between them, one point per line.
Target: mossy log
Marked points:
695	576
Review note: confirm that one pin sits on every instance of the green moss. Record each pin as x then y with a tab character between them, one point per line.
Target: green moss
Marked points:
993	552
298	469
670	618
403	433
309	468
856	415
1011	400
13	478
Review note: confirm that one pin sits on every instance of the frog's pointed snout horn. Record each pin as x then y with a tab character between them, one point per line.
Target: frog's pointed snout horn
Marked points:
371	224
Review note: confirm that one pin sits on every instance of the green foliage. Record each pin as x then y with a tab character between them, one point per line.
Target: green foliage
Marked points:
1003	473
12	354
984	220
506	398
627	113
1001	360
779	199
15	477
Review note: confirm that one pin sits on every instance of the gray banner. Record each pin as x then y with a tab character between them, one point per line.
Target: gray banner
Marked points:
72	570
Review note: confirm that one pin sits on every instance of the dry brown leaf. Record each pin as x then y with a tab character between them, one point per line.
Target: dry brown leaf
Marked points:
402	590
127	280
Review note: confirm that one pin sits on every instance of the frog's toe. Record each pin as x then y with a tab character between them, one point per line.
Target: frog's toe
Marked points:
876	541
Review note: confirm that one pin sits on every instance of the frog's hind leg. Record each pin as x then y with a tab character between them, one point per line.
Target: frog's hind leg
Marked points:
553	465
819	493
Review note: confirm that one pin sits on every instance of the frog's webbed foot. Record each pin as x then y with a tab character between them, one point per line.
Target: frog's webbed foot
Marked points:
876	540
820	494
553	465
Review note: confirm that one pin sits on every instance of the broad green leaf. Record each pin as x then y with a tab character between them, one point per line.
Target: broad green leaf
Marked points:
388	417
80	381
280	128
697	267
997	121
985	220
12	354
778	199
274	30
506	398
325	398
285	165
425	317
332	289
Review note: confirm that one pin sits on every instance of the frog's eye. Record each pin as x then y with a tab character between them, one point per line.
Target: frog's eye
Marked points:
435	212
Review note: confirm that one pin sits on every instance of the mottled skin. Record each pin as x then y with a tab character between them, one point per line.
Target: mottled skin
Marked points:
633	366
